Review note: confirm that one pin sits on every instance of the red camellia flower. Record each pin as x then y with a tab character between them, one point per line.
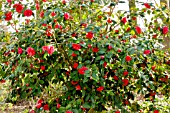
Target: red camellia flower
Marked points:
128	58
138	30
73	55
134	18
117	111
20	50
153	68
42	68
37	7
45	107
58	26
78	87
134	36
109	47
115	77
125	73
124	20
68	73
102	56
95	49
58	106
119	50
74	82
66	16
75	65
99	89
38	106
40	101
152	93
49	49
53	14
165	30
28	12
3	81
31	65
147	5
18	7
125	82
44	25
154	36
9	1
89	46
156	111
109	20
82	70
105	64
89	35
42	14
84	25
126	102
8	16
44	0
82	108
48	32
64	1
146	52
116	31
74	35
76	46
45	48
128	29
27	21
68	111
31	51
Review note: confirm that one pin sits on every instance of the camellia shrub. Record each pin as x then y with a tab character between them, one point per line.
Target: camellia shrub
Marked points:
74	56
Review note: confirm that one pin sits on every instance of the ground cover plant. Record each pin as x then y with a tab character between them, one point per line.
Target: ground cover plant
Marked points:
74	57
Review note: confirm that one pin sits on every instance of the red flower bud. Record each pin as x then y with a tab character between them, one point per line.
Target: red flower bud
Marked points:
45	107
147	5
156	111
28	12
125	82
95	49
138	30
78	87
99	89
20	50
58	105
119	50
147	52
31	51
109	20
75	65
82	70
128	58
153	68
76	46
115	77
124	20
165	30
42	68
8	16
125	73
89	35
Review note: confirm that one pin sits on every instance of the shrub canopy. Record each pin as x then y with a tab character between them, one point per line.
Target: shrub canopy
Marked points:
76	57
